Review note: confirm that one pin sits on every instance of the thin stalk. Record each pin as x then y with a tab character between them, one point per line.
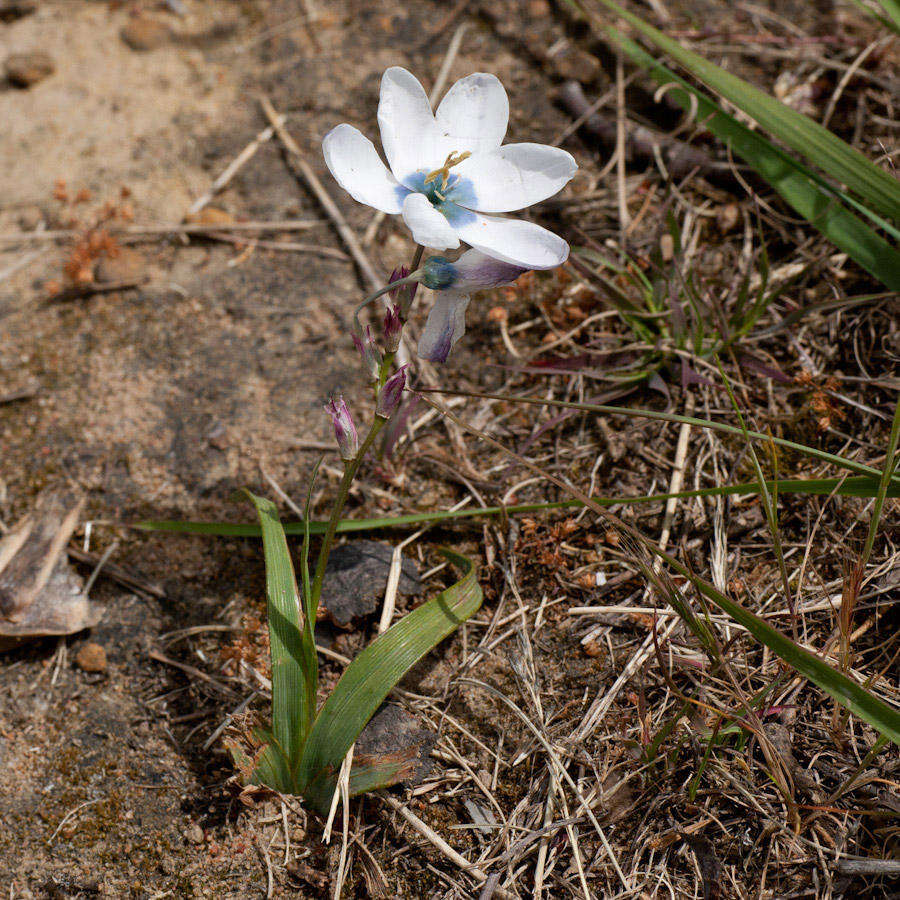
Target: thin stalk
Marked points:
832	458
407	297
886	475
351	467
853	581
400	282
769	504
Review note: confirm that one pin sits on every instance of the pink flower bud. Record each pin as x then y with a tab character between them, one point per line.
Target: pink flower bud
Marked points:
402	296
390	395
344	429
393	328
370	354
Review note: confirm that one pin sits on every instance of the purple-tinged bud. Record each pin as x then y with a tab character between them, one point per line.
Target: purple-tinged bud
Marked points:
393	328
344	429
370	354
403	296
390	395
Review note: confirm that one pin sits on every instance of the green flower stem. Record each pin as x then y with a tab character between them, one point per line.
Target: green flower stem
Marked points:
400	282
351	467
383	372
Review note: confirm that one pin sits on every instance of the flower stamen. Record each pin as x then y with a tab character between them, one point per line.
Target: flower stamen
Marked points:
453	159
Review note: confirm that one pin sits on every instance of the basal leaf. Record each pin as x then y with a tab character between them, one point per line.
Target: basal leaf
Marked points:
293	654
376	670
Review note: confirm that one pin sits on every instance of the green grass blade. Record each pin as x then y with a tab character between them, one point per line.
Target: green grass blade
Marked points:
854	486
889	467
293	672
363	778
880	715
634	412
799	187
879	190
376	670
892	10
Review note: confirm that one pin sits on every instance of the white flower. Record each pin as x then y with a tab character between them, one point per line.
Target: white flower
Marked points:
453	283
448	172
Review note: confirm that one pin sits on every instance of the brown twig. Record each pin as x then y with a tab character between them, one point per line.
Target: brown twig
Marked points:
302	169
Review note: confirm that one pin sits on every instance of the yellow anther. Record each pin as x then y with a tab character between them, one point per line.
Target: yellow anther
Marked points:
453	159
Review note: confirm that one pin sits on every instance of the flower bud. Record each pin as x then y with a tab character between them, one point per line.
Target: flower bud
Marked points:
404	295
393	328
390	395
344	429
438	273
370	354
396	275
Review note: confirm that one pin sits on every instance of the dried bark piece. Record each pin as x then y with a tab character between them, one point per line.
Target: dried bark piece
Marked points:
640	142
40	594
356	578
395	735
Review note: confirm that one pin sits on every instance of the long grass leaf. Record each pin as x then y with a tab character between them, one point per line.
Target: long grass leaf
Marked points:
376	670
293	672
815	453
853	486
799	187
838	159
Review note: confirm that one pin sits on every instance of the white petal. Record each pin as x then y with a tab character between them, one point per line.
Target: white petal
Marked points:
408	133
516	176
353	160
514	241
445	326
474	114
429	227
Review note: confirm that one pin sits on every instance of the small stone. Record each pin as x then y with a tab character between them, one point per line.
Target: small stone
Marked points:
194	833
126	266
574	63
31	218
15	9
25	69
143	33
91	657
728	217
211	215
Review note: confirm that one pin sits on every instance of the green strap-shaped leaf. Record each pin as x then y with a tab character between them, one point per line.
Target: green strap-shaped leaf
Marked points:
293	654
794	182
854	486
371	676
857	699
838	159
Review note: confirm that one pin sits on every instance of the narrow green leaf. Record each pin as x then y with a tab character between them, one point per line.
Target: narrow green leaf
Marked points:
857	699
892	10
854	486
838	159
634	412
794	182
293	671
376	670
890	465
272	767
